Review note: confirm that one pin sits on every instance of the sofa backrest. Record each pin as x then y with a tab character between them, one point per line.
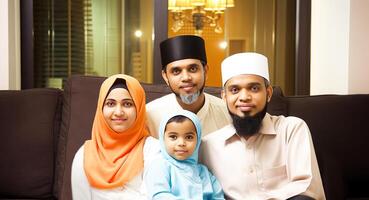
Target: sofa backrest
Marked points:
79	106
29	128
338	128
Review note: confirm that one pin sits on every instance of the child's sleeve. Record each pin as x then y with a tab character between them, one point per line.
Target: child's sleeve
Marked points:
157	180
217	188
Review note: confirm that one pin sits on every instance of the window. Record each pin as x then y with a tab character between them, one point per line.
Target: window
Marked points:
97	37
88	37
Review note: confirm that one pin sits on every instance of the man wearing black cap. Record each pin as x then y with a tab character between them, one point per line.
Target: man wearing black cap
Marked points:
184	69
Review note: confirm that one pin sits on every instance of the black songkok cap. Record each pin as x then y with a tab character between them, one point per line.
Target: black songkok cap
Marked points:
182	47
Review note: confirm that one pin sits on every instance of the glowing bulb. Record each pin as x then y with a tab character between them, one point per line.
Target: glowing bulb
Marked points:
138	33
223	45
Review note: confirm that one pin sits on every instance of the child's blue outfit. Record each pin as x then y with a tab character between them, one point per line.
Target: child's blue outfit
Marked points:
169	178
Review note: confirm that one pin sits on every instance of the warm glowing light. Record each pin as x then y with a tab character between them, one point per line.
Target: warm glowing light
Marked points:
138	33
202	12
223	45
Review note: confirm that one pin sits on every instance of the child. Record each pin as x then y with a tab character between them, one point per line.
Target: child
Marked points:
177	174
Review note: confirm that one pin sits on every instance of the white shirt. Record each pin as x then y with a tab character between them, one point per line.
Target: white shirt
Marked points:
133	190
277	163
213	115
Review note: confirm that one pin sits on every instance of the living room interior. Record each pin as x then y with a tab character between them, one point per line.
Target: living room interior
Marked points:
52	51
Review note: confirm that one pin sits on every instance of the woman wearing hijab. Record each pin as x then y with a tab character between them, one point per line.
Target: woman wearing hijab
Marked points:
177	173
111	164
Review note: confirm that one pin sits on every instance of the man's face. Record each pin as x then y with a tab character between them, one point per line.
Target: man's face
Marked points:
246	95
186	78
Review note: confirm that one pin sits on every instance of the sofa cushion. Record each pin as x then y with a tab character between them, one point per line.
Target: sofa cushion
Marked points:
29	121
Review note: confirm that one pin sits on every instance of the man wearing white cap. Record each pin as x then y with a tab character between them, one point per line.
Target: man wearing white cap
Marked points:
184	69
259	156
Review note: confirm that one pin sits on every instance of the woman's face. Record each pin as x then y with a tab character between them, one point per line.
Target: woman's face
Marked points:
119	110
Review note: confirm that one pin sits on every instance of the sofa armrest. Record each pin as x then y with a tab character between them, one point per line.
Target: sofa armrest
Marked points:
29	121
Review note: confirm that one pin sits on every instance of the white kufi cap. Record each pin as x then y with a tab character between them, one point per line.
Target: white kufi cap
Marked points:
244	63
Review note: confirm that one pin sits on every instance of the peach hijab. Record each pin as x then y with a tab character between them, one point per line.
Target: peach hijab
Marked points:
112	159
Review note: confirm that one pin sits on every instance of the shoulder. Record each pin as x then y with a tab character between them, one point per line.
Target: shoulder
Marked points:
289	121
151	147
160	165
77	163
79	183
203	169
290	127
219	135
213	99
160	102
78	158
216	104
151	143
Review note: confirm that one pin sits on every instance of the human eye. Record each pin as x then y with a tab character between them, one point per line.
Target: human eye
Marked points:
109	103
190	137
176	71
128	104
193	68
255	88
234	90
172	137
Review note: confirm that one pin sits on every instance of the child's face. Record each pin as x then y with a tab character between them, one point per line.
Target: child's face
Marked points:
180	139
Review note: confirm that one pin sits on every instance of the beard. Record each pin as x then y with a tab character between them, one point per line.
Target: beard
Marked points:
189	98
248	125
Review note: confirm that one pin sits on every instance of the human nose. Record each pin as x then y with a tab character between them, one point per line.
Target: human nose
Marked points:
244	95
118	110
181	142
186	75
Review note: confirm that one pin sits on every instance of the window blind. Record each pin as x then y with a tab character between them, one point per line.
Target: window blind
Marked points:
62	40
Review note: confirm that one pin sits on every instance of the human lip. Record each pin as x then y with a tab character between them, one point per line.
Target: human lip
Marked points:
187	87
181	151
119	119
245	107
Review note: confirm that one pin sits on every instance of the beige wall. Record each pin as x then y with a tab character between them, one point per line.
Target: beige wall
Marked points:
339	47
329	46
358	81
9	45
4	58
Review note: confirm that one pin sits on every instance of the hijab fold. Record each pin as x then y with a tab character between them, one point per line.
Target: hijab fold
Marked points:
112	159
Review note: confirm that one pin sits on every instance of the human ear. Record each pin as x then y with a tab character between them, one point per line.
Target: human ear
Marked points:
223	95
269	93
164	75
206	68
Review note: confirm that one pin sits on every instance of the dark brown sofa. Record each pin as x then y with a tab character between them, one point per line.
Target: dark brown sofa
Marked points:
41	129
